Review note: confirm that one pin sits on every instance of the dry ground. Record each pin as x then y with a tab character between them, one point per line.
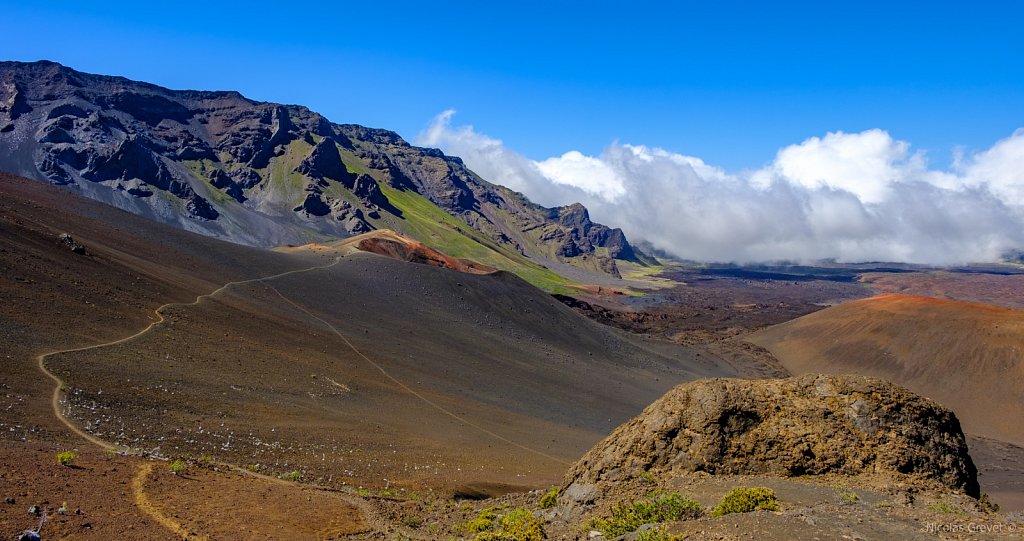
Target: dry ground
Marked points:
366	372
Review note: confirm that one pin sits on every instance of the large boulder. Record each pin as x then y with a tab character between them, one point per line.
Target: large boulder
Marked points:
807	425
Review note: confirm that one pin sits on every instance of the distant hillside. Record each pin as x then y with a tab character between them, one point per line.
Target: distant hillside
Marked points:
966	356
269	174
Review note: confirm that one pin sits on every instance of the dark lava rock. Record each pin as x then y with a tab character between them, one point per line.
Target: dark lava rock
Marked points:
53	171
200	208
221	180
148	108
313	205
324	162
69	241
807	425
588	234
368	190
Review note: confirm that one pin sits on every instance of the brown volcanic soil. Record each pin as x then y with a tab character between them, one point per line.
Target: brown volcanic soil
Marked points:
372	371
432	378
989	288
54	298
710	309
966	356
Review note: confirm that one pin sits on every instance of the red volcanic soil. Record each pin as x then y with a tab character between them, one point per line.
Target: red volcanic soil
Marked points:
966	356
391	244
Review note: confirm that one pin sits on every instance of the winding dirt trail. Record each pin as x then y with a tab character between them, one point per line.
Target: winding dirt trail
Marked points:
146	506
41	359
138	481
370	515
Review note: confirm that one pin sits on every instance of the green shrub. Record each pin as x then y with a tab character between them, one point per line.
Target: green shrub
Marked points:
658	507
657	534
516	525
946	507
846	495
483	522
292	476
179	467
745	500
549	499
65	458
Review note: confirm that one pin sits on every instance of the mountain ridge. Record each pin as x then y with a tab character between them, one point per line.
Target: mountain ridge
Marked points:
265	174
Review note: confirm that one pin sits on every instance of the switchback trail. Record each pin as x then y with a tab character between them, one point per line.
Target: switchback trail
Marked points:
41	359
370	514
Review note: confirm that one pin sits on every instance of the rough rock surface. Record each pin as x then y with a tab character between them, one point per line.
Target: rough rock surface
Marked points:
807	425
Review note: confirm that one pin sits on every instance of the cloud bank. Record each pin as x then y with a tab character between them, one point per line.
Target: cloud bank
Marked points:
846	196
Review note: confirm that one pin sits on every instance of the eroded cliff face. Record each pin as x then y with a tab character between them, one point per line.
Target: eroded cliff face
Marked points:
262	173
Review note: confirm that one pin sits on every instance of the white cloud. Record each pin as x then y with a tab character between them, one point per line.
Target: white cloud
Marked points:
588	174
852	197
865	164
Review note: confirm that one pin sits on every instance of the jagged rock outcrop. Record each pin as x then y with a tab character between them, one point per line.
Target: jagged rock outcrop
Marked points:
807	425
324	162
220	155
12	105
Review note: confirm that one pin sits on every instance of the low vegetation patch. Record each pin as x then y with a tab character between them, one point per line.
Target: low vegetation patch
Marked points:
483	522
549	499
65	458
179	467
846	495
514	525
658	507
657	534
745	500
945	507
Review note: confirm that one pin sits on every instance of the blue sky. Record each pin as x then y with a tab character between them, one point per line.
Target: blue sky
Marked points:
731	82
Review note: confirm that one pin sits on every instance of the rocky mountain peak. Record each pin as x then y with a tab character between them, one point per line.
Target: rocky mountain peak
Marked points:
263	173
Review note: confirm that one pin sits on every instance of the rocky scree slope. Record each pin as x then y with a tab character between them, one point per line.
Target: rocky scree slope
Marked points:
269	174
807	425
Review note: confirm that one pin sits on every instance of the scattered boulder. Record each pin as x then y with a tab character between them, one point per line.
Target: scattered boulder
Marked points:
71	244
807	425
